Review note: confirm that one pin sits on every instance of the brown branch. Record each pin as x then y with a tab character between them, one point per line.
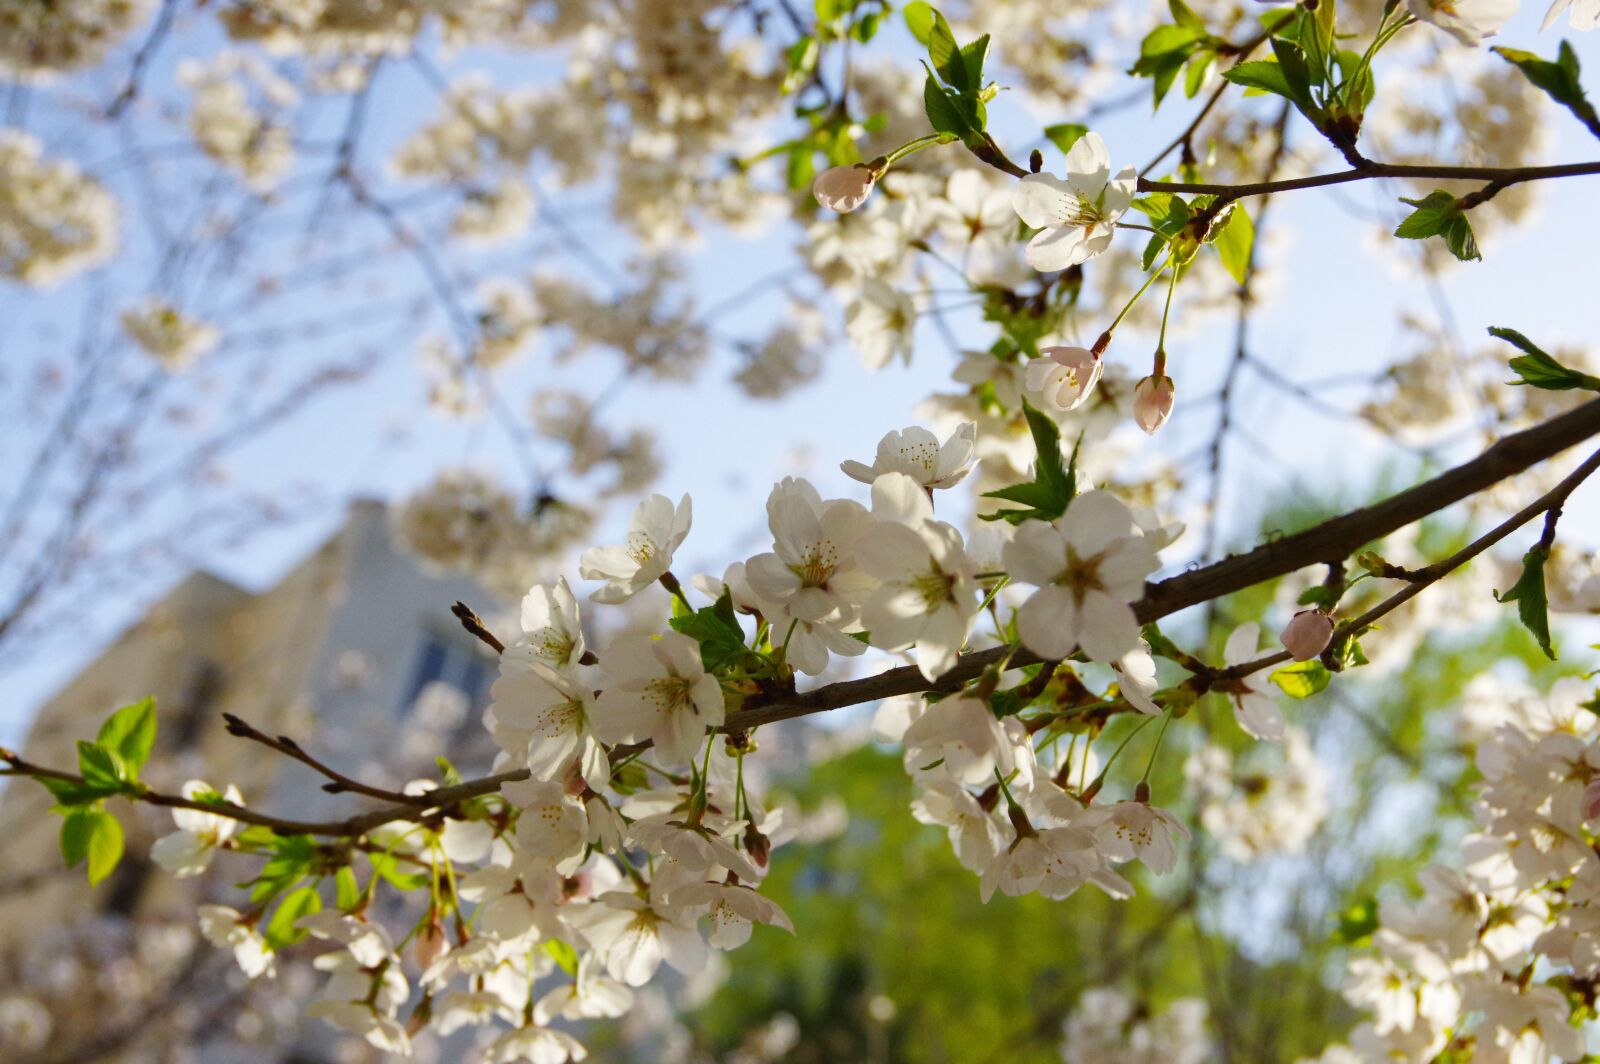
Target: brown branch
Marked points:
1501	177
474	624
286	746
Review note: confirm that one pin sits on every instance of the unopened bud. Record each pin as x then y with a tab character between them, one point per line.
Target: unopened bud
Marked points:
431	943
757	845
844	188
1152	402
1372	562
1307	634
1591	800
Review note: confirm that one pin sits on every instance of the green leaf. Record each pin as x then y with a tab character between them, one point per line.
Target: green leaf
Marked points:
802	60
75	831
1538	369
1166	39
564	955
1319	595
1529	594
1194	76
101	767
131	732
1357	923
347	892
1065	134
1054	483
919	17
1439	214
946	55
1302	679
947	113
1297	74
1184	16
387	866
1233	242
1558	79
70	793
973	56
93	835
716	628
281	930
105	846
1263	75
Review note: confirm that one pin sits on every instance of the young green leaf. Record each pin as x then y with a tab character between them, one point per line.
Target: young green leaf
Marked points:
281	930
919	16
1440	214
1054	483
1262	75
1540	370
101	767
1065	134
131	732
1302	679
92	835
1533	607
1558	79
347	892
1233	242
716	628
565	956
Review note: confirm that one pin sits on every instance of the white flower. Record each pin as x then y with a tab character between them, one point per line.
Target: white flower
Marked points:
963	737
552	825
1127	830
1136	679
1063	376
813	570
1089	564
657	530
536	1045
169	336
1581	14
462	1008
1468	21
844	188
974	831
658	689
733	910
918	454
549	715
698	850
1152	402
188	851
972	207
227	928
927	595
633	938
590	995
806	644
1078	214
368	944
1256	711
552	629
880	324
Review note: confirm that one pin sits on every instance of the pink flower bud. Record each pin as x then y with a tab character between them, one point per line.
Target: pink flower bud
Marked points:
1307	634
1591	800
1152	402
844	188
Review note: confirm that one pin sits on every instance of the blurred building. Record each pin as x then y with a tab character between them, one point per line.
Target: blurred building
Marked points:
354	653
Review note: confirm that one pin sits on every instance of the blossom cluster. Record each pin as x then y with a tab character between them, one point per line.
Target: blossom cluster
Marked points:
1499	954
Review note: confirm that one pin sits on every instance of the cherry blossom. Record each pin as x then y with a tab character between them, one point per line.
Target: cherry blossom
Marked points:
1088	564
657	530
1077	215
